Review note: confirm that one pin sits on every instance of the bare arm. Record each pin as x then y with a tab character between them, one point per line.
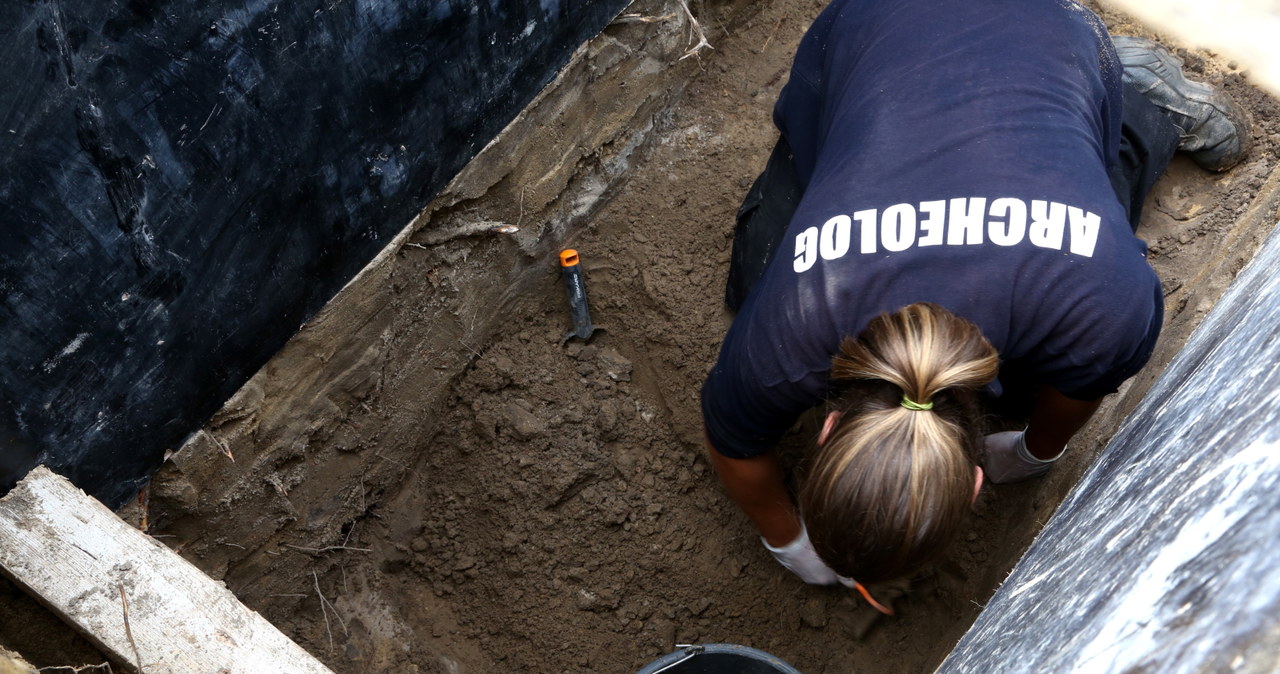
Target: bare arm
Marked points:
759	488
1054	420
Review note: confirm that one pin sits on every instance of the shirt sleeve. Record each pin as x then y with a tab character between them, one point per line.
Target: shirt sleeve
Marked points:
1113	344
743	414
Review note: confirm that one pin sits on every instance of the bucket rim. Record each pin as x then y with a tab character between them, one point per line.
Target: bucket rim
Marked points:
685	652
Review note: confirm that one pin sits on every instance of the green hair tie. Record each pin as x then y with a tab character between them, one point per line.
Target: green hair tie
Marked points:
915	406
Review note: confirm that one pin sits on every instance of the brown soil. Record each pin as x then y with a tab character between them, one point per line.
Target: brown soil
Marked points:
565	518
558	514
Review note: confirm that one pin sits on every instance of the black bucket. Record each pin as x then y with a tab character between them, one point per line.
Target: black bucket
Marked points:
718	659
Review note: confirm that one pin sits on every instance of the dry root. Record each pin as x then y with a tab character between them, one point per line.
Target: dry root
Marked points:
696	30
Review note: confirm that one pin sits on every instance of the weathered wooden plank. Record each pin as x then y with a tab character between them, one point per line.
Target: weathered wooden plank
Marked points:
91	568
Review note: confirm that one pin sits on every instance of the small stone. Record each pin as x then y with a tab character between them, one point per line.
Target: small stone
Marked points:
616	366
587	600
523	423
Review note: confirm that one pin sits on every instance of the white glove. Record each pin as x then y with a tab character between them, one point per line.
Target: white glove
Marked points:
1007	459
801	559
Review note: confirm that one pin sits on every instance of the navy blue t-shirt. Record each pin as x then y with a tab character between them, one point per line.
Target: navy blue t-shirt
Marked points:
955	152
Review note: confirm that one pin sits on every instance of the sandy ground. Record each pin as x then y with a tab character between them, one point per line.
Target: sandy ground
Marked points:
561	515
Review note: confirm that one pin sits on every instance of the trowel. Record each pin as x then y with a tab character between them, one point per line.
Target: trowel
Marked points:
571	272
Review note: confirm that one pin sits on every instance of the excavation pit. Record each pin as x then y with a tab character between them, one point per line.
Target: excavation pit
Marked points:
428	478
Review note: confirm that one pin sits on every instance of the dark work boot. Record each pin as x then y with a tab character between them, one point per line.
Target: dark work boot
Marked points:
1215	131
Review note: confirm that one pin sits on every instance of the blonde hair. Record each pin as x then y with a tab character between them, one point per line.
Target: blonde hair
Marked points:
890	486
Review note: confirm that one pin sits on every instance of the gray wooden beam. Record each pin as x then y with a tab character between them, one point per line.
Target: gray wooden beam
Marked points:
133	597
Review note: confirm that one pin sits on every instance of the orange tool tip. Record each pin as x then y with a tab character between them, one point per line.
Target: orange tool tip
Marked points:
867	595
568	257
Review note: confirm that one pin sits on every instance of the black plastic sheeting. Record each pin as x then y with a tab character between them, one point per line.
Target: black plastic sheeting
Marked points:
183	183
1163	558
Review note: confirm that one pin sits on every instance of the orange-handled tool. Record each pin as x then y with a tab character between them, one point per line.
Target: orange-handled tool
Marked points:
571	272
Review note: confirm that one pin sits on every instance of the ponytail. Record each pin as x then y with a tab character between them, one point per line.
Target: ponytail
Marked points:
892	482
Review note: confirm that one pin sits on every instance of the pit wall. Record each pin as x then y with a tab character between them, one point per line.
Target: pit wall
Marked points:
185	183
336	418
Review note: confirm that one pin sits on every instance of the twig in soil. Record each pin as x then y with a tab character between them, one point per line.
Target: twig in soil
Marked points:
279	485
393	461
520	218
81	668
776	76
177	549
144	499
325	607
221	445
316	551
323	611
772	33
640	18
128	631
466	229
470	330
696	31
